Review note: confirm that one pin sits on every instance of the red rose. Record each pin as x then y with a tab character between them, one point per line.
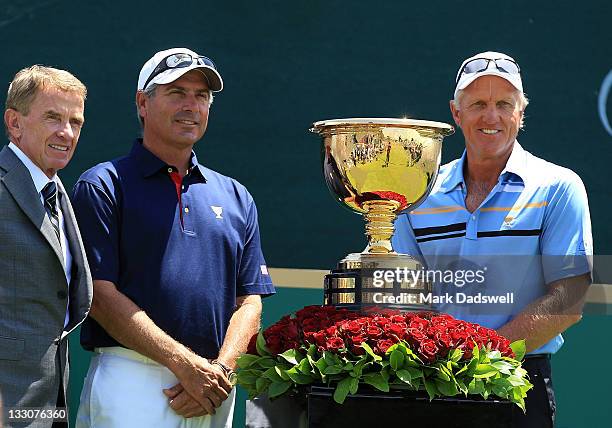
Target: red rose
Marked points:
381	321
418	323
334	344
311	324
331	331
290	332
252	348
415	337
374	331
459	336
444	343
382	346
397	329
428	350
398	319
274	344
352	327
356	342
467	349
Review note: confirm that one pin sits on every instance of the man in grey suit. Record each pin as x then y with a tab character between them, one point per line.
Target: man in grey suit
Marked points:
45	285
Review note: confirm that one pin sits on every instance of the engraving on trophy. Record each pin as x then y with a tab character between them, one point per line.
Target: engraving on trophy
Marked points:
379	168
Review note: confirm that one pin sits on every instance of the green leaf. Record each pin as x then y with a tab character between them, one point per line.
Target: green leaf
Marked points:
494	355
262	384
331	359
447	388
370	352
519	348
260	344
415	373
331	370
476	386
484	371
476	353
396	359
246	360
312	351
444	373
272	374
289	356
278	388
431	389
404	376
304	367
266	362
503	367
471	367
354	385
248	377
342	390
462	387
377	380
282	373
456	355
392	348
321	365
299	378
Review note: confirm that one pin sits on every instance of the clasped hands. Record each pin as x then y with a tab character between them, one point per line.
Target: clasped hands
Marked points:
201	389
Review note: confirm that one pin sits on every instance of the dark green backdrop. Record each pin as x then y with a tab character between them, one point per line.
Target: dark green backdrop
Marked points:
288	63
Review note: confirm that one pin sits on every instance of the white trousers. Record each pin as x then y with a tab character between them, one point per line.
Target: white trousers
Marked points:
123	389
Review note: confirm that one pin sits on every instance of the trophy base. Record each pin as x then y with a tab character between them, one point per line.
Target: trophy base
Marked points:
392	281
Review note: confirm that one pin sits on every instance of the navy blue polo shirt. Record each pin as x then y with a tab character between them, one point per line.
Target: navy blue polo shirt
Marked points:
182	258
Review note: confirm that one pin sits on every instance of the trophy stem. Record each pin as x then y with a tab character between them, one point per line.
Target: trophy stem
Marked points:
379	216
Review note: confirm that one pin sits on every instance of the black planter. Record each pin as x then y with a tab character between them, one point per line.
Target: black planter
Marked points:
372	408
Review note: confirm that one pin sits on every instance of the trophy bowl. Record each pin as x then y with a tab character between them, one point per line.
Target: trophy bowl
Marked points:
378	167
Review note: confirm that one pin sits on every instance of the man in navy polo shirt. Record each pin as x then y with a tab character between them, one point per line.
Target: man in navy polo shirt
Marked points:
518	221
177	265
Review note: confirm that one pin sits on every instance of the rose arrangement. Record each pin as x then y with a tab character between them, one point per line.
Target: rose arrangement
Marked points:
426	351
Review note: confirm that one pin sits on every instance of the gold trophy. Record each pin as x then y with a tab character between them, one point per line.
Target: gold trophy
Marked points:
379	168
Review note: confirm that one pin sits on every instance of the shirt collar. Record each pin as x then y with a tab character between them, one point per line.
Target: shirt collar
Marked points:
516	164
455	176
39	178
150	164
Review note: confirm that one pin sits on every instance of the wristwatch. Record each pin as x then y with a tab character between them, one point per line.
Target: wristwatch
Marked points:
227	371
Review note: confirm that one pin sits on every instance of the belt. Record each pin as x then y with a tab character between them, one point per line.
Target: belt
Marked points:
120	351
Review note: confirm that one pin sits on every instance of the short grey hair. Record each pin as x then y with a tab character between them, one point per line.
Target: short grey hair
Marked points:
523	101
150	93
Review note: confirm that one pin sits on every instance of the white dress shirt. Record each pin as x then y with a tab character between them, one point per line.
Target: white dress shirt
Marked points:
40	180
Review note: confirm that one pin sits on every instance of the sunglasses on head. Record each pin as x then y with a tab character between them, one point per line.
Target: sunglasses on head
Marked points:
178	60
480	64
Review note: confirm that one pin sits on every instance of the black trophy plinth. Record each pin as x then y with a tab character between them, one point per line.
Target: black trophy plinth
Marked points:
316	408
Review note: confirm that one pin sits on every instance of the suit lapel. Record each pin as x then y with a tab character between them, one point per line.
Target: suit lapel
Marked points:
18	182
80	288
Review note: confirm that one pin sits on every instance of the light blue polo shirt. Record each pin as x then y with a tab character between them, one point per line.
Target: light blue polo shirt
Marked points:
532	229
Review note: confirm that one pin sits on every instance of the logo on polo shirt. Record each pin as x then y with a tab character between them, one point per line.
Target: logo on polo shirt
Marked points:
217	210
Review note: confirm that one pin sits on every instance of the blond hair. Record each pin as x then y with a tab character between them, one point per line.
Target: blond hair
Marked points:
29	81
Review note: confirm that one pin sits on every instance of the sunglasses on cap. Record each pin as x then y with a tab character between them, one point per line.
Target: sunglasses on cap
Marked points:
178	60
481	64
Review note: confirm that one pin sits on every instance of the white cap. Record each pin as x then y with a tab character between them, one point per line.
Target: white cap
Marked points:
491	70
206	66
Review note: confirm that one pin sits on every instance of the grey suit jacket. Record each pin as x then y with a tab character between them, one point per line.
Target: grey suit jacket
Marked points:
34	292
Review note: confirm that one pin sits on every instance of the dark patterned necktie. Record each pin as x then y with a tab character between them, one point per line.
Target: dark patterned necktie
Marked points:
49	193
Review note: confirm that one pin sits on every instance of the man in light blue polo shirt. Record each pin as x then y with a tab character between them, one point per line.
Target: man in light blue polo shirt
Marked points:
520	224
